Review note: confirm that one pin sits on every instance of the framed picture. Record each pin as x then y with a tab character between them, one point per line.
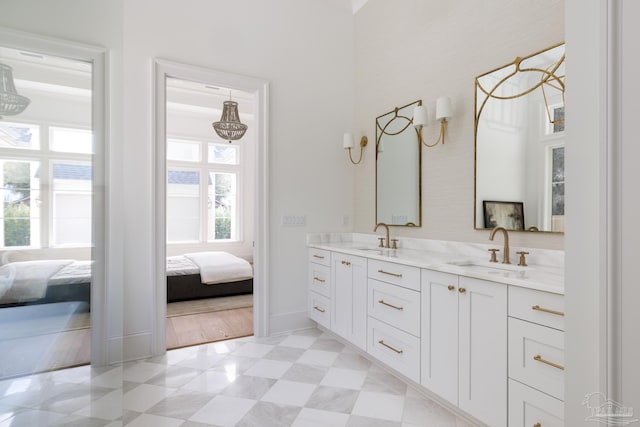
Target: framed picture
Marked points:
509	215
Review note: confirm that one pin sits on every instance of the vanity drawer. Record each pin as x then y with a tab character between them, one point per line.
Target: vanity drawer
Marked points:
536	356
529	407
320	279
397	306
398	349
540	307
320	309
320	256
398	274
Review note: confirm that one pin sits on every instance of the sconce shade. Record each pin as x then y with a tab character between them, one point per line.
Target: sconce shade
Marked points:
10	102
348	141
420	116
229	126
443	108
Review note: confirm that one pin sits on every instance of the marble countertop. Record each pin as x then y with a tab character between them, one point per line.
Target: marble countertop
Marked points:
461	261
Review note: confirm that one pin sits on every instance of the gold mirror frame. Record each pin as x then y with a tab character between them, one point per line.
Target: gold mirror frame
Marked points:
498	84
396	126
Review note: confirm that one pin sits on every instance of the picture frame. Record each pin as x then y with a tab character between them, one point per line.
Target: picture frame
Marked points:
509	215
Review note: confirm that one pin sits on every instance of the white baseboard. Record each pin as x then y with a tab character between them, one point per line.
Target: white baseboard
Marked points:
137	346
286	322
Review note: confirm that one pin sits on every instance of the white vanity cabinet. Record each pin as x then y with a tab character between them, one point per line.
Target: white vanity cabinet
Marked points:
319	286
536	358
349	293
393	331
464	343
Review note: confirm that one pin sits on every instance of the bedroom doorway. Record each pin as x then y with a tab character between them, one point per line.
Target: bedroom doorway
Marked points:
51	221
209	276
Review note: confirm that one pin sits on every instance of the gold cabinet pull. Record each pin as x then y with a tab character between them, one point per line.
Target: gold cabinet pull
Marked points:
537	425
547	310
539	358
319	309
318	279
390	347
383	302
347	263
318	256
390	274
451	287
462	290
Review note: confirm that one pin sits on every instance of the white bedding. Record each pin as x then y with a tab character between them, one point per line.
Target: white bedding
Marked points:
27	280
220	267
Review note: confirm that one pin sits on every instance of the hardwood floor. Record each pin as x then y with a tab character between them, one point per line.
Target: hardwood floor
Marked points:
201	328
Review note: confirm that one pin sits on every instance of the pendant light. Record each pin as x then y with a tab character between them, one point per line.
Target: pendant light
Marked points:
229	127
10	102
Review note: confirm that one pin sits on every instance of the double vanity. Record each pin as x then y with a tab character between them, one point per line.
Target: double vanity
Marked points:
484	338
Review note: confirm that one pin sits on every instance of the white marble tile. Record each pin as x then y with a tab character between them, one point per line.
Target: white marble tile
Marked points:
223	411
110	379
428	412
269	414
309	417
318	357
182	404
379	405
344	378
253	350
32	417
148	420
141	372
289	393
144	397
269	369
298	341
211	381
108	407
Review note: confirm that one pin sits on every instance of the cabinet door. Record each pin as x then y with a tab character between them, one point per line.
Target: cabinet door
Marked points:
439	367
349	311
482	342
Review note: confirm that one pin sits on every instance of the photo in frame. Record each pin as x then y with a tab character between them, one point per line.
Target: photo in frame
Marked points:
509	215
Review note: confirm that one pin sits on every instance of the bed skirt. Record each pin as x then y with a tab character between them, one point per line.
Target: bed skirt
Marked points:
189	287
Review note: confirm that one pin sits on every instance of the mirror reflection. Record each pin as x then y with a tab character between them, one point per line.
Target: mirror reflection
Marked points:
398	171
519	130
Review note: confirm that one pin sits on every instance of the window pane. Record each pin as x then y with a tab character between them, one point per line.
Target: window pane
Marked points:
71	140
187	151
223	154
71	202
222	207
20	184
16	135
183	205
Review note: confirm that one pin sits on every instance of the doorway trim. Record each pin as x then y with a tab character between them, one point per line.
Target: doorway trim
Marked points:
162	70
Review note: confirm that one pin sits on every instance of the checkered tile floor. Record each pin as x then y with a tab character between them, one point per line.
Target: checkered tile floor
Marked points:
302	379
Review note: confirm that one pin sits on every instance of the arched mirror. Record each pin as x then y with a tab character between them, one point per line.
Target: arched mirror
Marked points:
398	168
519	141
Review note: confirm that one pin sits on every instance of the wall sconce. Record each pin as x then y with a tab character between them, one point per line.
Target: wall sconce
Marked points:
443	113
348	144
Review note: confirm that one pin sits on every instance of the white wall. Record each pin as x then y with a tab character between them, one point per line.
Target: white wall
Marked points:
304	48
425	50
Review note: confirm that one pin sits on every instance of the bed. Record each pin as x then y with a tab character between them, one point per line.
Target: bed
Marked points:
44	282
207	275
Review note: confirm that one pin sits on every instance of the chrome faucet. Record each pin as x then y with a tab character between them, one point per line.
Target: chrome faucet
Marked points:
505	252
386	227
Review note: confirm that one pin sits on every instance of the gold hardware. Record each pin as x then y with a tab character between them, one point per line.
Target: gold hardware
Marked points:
386	227
462	290
389	347
547	310
383	302
347	263
318	279
394	243
539	358
318	256
493	255
363	143
451	287
523	261
390	274
381	240
537	425
533	228
505	252
319	309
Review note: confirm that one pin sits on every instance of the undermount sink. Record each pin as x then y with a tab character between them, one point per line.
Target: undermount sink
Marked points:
488	265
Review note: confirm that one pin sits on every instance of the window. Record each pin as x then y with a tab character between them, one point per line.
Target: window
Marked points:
38	157
202	191
557	188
